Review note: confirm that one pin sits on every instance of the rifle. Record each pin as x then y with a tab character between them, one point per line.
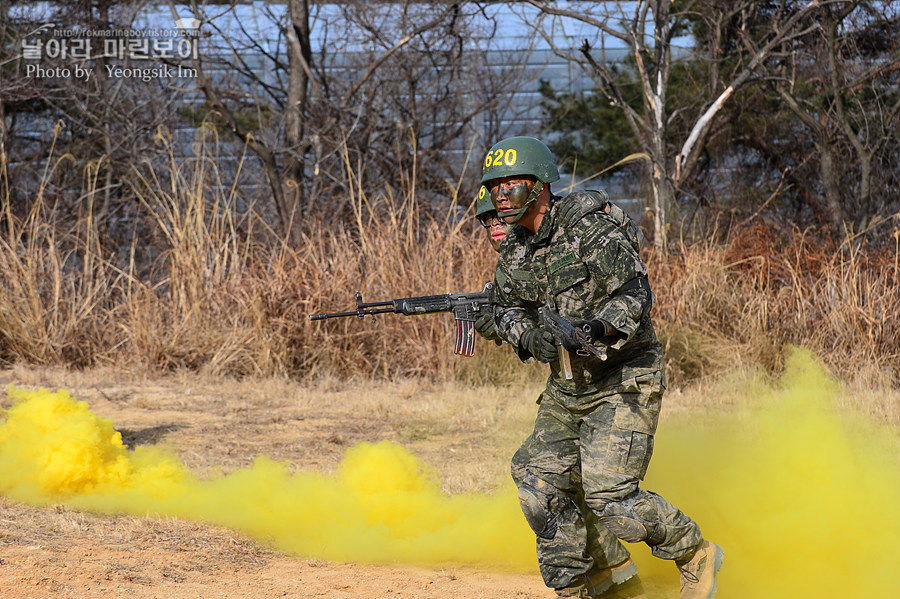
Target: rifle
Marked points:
560	327
466	307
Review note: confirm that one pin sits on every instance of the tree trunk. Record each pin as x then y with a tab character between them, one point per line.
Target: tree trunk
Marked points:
300	57
662	191
656	82
832	204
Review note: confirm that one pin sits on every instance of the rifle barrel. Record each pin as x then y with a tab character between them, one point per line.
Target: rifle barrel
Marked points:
359	313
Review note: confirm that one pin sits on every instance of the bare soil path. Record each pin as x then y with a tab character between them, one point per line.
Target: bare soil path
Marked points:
58	552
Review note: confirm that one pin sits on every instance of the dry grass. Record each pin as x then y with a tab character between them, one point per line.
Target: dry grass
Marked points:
738	304
218	424
57	527
210	288
53	281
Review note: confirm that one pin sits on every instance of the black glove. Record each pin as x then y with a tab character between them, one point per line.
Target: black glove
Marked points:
596	330
540	344
484	324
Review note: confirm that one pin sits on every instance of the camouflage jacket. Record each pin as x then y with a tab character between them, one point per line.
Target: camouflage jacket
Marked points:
591	267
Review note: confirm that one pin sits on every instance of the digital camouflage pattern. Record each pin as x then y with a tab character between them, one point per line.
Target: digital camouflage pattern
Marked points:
601	422
582	544
585	544
583	266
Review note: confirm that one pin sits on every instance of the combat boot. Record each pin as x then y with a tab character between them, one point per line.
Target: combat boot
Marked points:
599	581
698	573
576	591
603	583
631	589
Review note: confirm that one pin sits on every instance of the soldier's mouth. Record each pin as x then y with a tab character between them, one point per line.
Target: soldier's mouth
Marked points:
498	235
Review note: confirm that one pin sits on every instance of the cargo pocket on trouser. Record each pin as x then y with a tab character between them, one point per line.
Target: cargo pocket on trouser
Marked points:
645	391
631	440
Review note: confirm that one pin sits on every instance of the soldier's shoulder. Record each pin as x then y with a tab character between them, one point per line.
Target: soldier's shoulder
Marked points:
578	204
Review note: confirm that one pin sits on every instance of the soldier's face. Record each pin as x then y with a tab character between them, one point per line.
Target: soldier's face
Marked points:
510	193
497	230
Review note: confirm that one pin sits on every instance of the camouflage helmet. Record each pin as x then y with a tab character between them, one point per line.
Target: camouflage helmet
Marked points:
483	202
519	156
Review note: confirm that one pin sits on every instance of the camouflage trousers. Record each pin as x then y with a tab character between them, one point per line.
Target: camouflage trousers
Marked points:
582	544
578	476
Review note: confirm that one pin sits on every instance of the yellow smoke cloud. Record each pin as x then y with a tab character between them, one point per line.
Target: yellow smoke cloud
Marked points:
804	497
382	504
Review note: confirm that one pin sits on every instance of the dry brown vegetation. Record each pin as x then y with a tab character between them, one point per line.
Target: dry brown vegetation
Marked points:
207	287
741	301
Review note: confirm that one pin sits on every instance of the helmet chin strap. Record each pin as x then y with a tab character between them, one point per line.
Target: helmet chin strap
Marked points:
517	213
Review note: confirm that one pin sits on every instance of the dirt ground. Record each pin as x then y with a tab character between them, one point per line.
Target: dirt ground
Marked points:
216	425
56	553
466	435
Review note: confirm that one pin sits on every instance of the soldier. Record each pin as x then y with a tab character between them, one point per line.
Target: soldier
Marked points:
487	216
604	560
582	252
497	230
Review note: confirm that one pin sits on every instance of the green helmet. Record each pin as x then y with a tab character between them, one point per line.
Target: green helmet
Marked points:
483	202
519	156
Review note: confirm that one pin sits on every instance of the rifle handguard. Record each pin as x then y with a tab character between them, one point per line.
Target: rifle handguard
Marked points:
466	307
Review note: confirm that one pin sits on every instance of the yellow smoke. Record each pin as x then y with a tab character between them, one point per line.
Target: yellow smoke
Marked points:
381	505
804	497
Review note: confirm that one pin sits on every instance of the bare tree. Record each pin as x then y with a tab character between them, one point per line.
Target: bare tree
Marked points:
648	30
98	121
841	85
381	87
322	97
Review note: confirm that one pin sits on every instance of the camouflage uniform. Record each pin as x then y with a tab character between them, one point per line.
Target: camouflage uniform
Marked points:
582	545
601	549
602	421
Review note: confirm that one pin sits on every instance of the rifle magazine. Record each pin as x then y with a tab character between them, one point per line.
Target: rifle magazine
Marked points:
465	337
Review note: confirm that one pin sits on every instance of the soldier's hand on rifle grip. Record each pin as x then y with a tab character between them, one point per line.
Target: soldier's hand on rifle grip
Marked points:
595	330
540	343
